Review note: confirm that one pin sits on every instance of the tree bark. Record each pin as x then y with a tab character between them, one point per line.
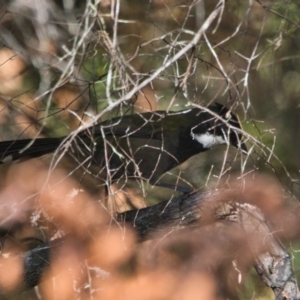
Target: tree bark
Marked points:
272	260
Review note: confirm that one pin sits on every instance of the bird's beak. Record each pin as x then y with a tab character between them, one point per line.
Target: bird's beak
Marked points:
243	148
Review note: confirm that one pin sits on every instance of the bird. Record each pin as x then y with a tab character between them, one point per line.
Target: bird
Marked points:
141	145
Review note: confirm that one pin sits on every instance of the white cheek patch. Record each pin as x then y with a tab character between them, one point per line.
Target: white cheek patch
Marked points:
208	140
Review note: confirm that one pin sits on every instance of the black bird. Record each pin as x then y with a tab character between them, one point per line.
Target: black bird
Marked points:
142	145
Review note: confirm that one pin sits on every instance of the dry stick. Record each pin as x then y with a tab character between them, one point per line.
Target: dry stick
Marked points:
273	262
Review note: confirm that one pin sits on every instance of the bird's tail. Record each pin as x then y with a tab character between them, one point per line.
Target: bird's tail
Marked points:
28	148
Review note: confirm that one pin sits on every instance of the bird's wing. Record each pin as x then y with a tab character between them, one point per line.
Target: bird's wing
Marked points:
147	125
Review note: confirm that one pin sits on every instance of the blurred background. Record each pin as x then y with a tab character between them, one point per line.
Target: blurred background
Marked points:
66	64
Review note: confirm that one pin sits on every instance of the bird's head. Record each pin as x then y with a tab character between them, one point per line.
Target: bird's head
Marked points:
220	131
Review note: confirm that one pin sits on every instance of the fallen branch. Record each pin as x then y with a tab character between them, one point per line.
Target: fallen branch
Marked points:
272	260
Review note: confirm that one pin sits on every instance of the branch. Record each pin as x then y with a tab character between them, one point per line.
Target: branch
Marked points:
272	261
